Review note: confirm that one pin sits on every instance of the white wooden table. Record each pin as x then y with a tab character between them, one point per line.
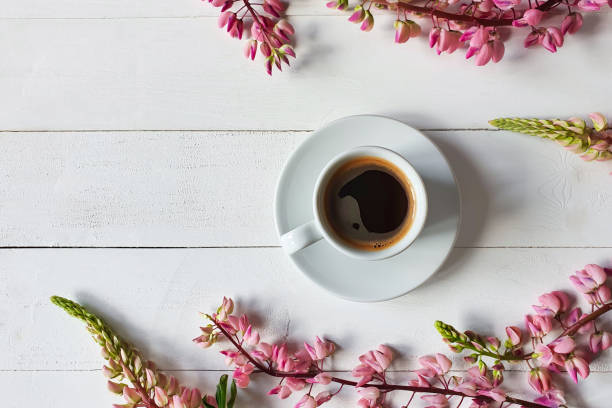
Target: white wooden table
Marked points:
138	157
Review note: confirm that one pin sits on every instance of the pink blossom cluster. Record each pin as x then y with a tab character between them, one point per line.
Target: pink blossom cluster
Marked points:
269	34
305	370
476	25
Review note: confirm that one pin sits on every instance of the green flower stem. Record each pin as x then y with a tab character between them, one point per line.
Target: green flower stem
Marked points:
115	349
572	134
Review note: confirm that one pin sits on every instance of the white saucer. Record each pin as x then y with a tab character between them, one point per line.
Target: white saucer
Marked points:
353	279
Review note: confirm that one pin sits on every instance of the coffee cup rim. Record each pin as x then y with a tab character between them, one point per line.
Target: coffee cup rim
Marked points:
418	187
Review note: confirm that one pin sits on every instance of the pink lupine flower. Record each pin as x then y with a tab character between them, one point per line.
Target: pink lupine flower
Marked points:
404	30
552	398
571	23
547	356
273	7
514	335
533	38
553	38
591	5
434	36
479	403
599	123
131	395
369	393
468	387
368	22
241	375
449	41
420	381
296	384
495	393
321	378
476	382
574	317
506	4
600	341
539	380
358	15
445	40
281	390
223	18
322	397
306	401
440	364
114	387
436	401
552	303
250	49
538	325
287	49
234	357
563	345
493	342
251	336
531	17
177	402
321	349
577	366
283	29
191	397
498	50
589	278
378	360
364	372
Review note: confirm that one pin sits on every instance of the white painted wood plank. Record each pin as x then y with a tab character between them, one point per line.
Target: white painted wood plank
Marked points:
152	297
187	74
77	389
136	9
216	189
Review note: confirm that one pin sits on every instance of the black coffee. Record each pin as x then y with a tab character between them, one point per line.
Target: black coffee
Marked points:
369	203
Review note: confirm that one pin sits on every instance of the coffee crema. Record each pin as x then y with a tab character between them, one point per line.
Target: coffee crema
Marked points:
369	203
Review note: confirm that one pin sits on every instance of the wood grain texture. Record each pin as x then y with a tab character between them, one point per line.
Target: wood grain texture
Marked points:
152	297
39	9
215	189
88	389
74	74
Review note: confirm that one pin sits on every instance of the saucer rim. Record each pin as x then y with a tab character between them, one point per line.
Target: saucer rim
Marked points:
276	204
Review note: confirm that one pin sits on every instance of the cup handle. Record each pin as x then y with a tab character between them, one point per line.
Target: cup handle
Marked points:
301	237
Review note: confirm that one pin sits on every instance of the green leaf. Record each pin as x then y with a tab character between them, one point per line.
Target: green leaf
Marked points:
233	392
221	391
206	404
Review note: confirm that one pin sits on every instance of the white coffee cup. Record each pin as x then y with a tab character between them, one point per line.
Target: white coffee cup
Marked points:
317	229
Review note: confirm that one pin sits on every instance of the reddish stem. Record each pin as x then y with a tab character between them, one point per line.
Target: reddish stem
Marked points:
570	331
383	387
464	17
146	399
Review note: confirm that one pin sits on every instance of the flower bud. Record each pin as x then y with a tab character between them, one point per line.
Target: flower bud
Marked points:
571	23
368	22
161	398
533	16
515	336
599	121
116	388
358	15
539	379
